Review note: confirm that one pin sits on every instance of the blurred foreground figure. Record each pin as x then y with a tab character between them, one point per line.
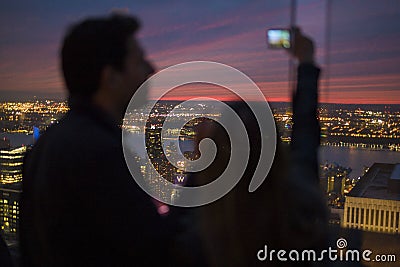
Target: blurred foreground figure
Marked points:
288	210
80	205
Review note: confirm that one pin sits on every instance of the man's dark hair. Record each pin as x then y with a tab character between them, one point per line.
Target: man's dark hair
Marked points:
91	45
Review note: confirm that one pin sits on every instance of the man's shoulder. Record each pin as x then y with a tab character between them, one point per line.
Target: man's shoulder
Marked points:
77	134
76	150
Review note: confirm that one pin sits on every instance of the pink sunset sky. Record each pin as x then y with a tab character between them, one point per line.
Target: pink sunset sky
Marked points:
364	52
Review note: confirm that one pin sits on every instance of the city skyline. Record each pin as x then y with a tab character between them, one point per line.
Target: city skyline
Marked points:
363	67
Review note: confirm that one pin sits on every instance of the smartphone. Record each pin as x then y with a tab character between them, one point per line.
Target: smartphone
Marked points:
279	38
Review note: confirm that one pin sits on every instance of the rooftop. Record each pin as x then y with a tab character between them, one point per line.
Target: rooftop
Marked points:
396	172
375	183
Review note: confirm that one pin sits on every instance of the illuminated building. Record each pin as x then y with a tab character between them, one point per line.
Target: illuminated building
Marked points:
333	178
9	210
374	203
11	160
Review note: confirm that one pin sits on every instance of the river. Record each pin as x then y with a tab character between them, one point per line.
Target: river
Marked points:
355	158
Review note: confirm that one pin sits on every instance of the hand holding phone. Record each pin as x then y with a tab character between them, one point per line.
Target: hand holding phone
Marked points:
303	48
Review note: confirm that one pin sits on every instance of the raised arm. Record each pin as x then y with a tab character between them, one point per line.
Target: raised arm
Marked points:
306	131
306	217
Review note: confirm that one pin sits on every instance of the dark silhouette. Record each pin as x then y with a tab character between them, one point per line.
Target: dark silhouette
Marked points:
288	211
80	205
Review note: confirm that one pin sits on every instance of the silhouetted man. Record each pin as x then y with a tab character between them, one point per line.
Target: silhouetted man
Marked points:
80	205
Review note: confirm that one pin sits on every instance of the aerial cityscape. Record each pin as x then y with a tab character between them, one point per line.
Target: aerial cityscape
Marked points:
358	95
355	127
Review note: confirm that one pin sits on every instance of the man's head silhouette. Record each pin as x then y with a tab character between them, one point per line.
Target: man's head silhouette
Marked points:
103	63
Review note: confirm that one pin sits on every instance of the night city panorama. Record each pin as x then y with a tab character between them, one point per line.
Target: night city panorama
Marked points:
357	46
